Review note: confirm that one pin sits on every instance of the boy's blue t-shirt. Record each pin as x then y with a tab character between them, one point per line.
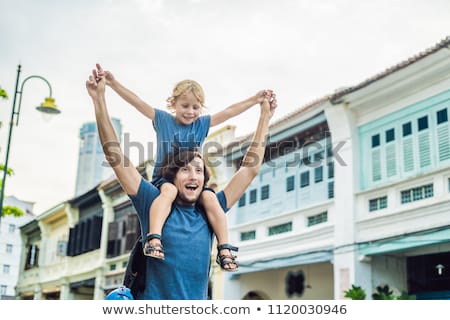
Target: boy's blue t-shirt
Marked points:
168	131
187	240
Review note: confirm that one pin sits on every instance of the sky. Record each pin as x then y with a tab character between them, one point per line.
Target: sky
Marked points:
302	49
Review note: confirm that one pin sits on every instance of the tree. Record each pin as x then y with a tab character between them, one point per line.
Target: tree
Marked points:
9	210
3	94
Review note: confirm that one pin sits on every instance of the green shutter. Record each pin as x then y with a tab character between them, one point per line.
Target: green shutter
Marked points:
443	142
424	149
376	165
408	154
391	160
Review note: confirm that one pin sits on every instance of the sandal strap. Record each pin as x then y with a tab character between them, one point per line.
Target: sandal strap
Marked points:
227	246
152	236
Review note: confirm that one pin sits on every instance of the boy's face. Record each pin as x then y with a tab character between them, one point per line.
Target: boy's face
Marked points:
187	108
189	181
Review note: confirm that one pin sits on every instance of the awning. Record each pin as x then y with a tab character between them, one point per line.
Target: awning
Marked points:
283	262
404	242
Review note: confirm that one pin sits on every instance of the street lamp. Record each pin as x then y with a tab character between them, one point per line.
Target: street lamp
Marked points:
48	106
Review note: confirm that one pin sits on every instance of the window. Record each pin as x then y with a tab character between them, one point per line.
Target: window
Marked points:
112	267
304	179
422	123
318	174
407	129
281	228
306	161
390	135
330	189
248	235
330	166
241	202
253	194
318	218
11	228
375	140
377	203
3	290
32	256
265	192
416	194
290	183
318	156
6	268
9	248
441	116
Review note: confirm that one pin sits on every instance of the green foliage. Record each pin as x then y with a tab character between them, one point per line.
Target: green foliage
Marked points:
10	171
9	210
383	293
355	293
406	296
12	211
3	94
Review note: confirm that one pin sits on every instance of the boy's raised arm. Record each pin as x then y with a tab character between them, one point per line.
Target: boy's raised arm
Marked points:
125	93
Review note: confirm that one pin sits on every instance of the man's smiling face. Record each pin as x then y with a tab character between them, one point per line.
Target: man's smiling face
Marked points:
189	182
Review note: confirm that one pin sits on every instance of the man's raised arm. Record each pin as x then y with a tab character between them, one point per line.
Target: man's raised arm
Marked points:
254	156
125	171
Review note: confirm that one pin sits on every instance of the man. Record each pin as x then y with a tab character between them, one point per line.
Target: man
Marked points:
184	273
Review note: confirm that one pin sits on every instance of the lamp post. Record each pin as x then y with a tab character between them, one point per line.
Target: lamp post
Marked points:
48	106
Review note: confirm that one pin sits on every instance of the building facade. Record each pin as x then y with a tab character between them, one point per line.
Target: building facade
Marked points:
11	246
366	203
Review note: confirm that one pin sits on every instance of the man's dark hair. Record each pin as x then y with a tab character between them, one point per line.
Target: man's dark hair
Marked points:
178	159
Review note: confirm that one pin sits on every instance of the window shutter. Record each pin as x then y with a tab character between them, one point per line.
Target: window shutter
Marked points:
96	233
424	149
77	250
408	154
132	231
132	223
376	165
443	142
86	227
113	230
391	160
130	240
71	245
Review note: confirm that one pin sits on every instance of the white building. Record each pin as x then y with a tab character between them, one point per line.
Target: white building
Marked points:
355	190
11	246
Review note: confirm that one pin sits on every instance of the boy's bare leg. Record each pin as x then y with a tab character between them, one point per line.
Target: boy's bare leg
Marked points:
159	211
218	220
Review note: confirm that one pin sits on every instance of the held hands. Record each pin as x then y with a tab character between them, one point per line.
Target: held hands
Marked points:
95	85
269	103
260	95
100	73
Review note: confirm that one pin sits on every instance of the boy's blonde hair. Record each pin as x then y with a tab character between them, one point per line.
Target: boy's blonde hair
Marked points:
186	86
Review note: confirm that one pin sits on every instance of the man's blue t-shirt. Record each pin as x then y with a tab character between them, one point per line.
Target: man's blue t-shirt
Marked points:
187	239
168	131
